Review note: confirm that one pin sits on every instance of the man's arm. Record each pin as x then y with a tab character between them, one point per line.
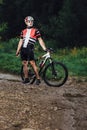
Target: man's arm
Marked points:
19	47
41	42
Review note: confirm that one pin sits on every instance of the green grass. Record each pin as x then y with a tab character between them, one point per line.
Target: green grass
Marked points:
75	59
9	63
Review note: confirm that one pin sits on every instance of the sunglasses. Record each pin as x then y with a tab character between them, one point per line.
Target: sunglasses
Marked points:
29	21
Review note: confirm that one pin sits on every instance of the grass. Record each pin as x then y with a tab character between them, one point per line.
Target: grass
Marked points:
9	63
75	59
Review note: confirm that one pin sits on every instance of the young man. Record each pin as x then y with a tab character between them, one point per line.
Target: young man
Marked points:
25	47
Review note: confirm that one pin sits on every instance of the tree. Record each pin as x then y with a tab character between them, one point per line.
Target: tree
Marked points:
68	25
63	21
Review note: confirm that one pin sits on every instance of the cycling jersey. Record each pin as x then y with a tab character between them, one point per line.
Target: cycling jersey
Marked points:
29	36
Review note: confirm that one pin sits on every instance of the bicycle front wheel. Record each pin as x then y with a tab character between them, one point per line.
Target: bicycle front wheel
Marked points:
31	74
55	74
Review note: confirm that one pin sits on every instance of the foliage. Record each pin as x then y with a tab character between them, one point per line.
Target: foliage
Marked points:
3	29
9	63
63	21
1	1
9	46
75	59
68	25
65	27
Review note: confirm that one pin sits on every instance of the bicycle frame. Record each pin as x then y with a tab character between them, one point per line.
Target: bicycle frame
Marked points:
54	73
45	57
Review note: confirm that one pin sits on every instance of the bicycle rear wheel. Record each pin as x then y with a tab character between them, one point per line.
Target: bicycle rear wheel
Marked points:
55	74
31	74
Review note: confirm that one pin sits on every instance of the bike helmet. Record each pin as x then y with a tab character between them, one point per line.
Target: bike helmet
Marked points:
28	18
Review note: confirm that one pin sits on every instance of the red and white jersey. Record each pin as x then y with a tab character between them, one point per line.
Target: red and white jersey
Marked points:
29	36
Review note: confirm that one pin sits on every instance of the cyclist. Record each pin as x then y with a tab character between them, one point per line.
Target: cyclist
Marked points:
25	47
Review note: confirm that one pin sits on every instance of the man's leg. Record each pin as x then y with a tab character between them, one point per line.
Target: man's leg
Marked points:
36	72
35	68
25	70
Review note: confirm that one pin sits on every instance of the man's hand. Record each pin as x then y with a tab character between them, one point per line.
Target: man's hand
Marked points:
17	53
49	50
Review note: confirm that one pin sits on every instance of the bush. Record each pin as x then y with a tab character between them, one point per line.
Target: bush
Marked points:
10	45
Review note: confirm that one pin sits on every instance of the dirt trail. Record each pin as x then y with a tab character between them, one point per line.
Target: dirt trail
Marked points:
42	107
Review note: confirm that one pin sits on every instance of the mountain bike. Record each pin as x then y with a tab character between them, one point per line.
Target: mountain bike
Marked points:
53	73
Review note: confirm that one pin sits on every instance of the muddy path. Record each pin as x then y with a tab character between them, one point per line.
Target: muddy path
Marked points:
42	107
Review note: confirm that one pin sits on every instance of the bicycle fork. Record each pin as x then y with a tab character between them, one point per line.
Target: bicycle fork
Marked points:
53	69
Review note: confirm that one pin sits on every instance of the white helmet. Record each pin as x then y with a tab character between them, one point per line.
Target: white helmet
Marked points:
28	18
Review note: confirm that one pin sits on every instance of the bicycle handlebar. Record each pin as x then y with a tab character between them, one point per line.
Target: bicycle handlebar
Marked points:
49	50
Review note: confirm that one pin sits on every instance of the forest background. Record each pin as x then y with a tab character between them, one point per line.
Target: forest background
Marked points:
62	23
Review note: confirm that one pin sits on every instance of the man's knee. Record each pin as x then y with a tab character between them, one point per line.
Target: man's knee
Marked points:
25	63
32	63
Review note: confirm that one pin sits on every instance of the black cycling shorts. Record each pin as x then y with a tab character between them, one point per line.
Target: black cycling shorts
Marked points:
27	54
